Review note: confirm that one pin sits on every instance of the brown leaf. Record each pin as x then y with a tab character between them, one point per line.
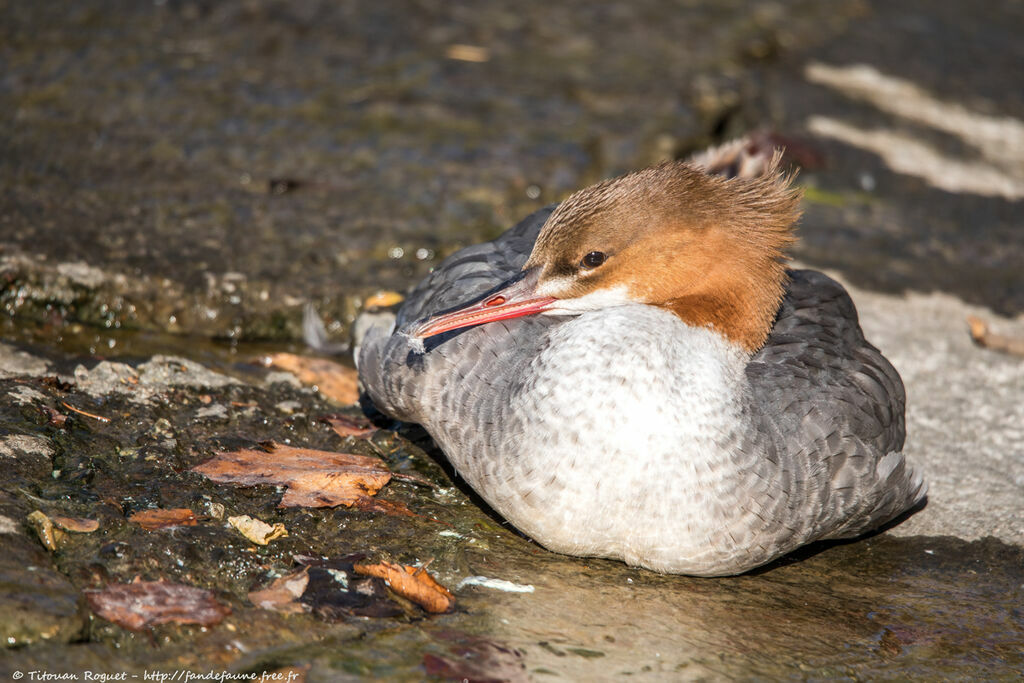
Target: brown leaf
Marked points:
82	526
335	381
159	518
345	426
54	417
314	478
412	583
146	603
281	595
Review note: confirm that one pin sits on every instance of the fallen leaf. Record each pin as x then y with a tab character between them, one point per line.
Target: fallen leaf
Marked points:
159	518
314	478
282	594
43	527
82	526
137	605
54	417
335	381
256	530
383	299
345	426
413	583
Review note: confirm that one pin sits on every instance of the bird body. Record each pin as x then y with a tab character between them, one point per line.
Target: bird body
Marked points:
687	422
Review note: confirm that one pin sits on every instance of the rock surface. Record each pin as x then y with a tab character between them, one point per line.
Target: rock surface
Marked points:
182	177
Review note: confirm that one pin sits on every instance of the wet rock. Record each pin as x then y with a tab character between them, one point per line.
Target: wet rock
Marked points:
105	378
36	289
24	395
26	457
213	412
15	362
150	379
37	603
162	372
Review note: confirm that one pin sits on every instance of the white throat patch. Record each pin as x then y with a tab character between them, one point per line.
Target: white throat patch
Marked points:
596	300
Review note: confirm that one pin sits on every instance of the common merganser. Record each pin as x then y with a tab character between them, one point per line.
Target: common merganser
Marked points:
635	374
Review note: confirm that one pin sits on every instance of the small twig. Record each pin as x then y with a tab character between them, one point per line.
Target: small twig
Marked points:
82	412
982	336
423	567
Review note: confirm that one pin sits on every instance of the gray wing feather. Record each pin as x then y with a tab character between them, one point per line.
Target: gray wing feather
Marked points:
845	439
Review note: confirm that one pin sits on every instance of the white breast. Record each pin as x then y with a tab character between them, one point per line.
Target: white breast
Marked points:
620	437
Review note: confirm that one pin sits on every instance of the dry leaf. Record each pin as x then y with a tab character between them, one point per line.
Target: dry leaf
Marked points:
335	381
383	299
282	594
159	518
314	478
345	426
82	526
145	603
256	530
413	583
43	527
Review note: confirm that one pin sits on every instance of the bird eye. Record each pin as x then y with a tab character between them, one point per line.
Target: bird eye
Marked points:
593	259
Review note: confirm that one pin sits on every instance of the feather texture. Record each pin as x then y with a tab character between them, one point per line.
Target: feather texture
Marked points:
627	433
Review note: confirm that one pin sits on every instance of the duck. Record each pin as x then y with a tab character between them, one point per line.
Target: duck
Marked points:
637	374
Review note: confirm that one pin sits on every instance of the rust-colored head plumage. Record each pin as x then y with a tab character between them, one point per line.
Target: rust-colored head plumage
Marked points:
709	248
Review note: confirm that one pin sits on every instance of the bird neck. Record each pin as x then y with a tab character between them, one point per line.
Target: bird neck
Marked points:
741	309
